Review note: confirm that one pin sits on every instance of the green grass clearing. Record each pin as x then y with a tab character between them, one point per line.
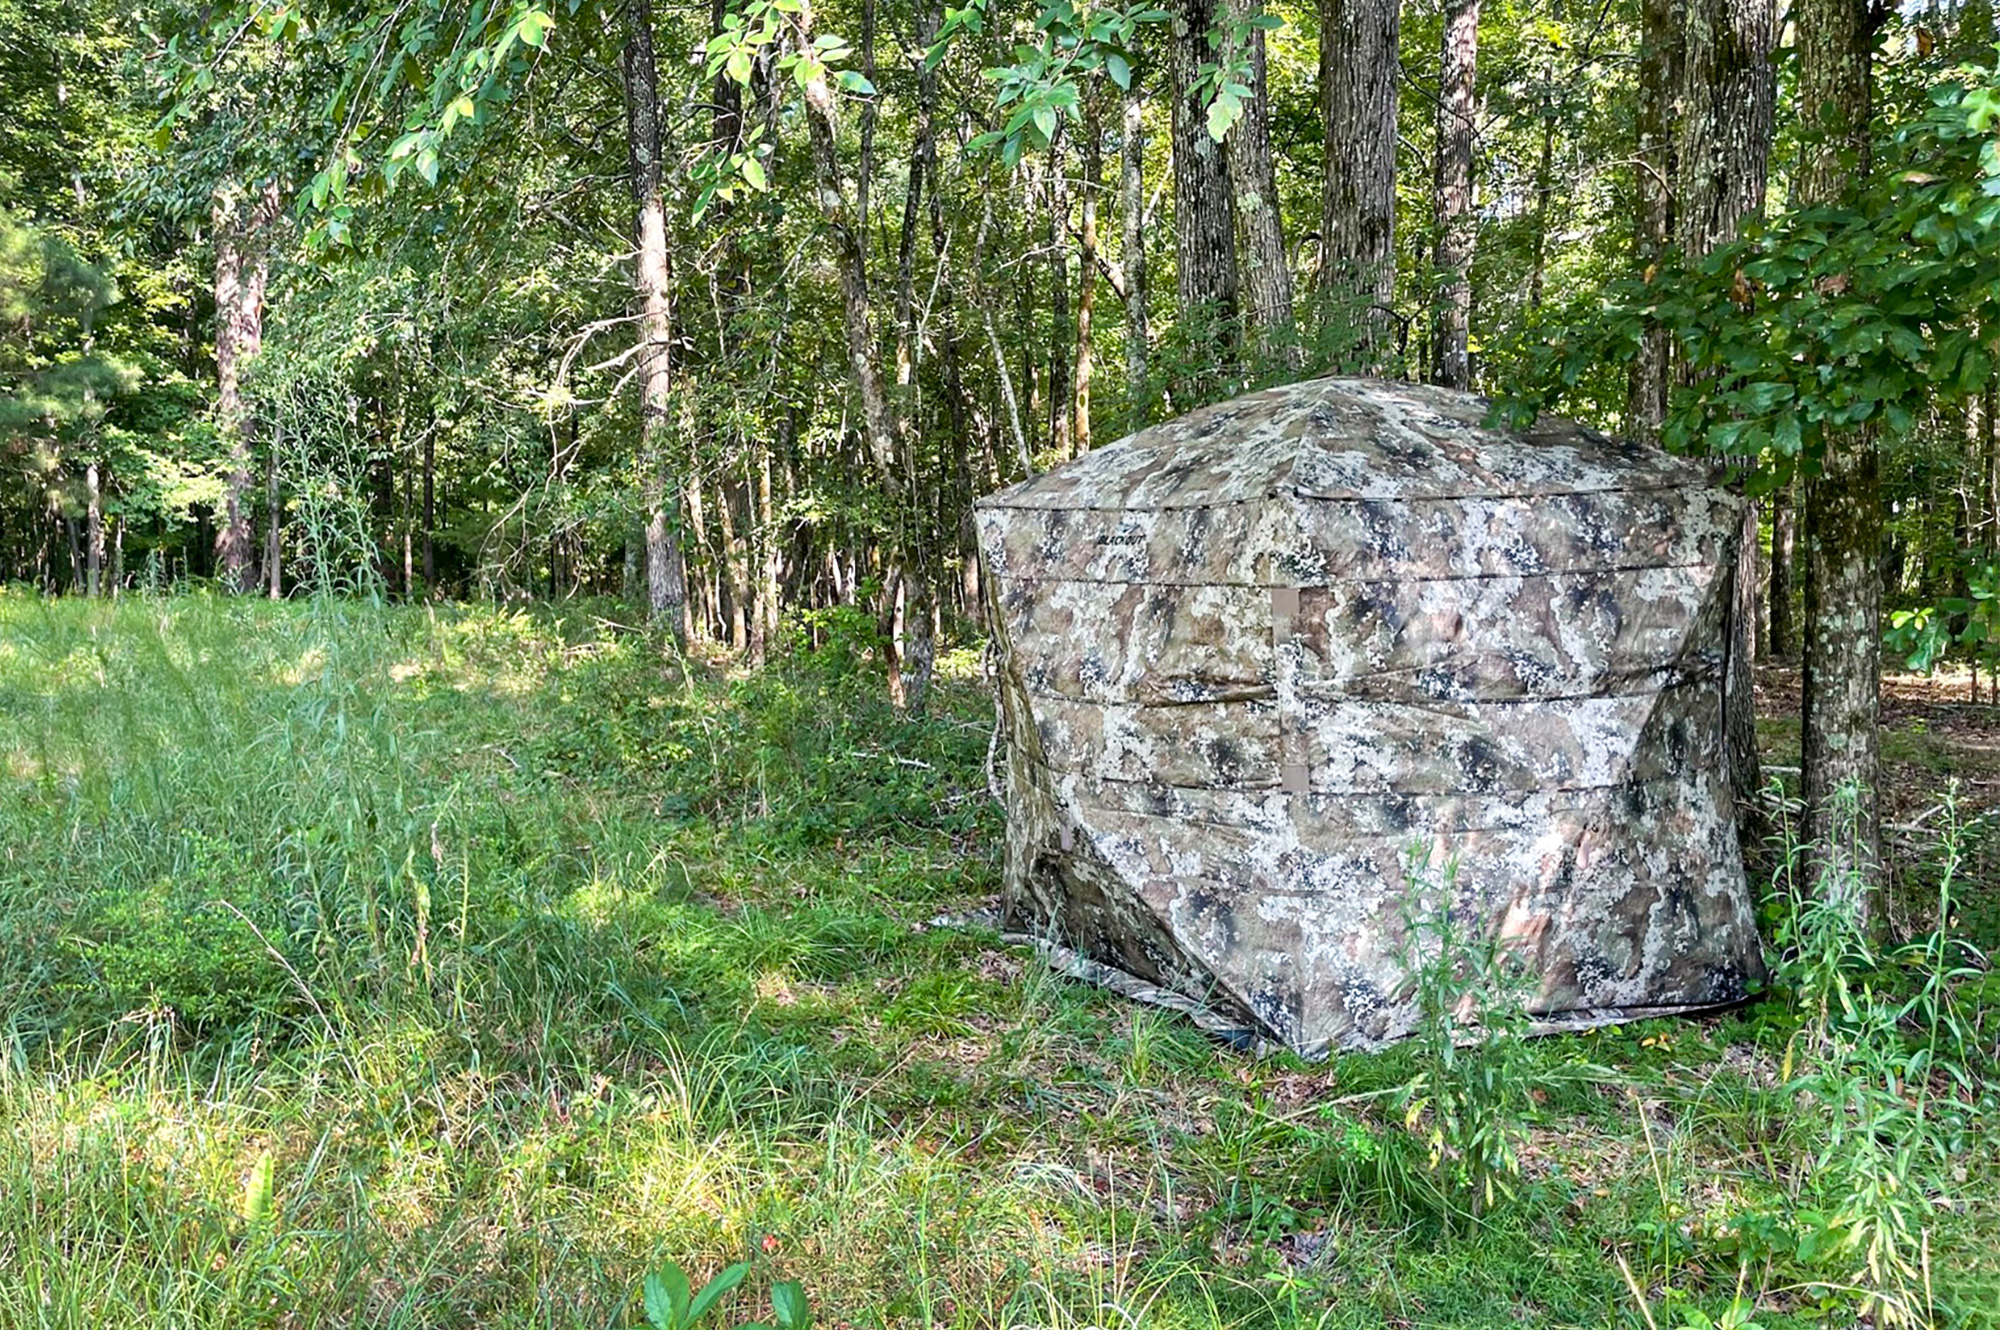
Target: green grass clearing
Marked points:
450	968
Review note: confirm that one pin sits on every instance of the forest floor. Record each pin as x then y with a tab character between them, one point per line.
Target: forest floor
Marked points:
459	967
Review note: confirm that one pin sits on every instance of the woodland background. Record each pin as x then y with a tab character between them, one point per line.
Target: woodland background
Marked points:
494	805
733	312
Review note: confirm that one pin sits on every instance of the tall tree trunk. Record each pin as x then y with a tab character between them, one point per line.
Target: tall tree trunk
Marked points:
1132	252
704	589
1843	502
1086	275
1989	449
1728	105
274	517
1456	230
1267	270
764	627
1357	98
1782	637
1004	377
1545	161
1722	160
94	532
882	429
666	568
242	266
1061	408
75	554
430	511
732	511
1661	44
1204	206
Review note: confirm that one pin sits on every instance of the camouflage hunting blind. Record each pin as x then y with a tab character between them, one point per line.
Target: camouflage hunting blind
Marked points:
1283	677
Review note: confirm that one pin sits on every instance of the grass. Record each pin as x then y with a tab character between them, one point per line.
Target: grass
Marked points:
450	968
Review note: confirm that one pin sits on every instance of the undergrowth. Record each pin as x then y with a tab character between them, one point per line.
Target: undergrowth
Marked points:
366	966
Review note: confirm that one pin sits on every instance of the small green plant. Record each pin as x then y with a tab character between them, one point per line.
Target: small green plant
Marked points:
1471	990
1879	1066
672	1303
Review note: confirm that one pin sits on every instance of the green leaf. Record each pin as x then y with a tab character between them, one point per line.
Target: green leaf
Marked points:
789	1307
856	83
1045	123
739	65
753	171
714	1289
1119	68
1223	113
257	1192
534	27
667	1297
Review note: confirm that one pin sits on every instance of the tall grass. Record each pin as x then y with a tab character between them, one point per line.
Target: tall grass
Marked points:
409	967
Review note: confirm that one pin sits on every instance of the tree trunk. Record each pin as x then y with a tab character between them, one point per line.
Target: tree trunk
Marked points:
666	568
274	509
1728	106
430	513
1004	378
1456	229
94	534
1204	207
1086	276
1722	159
1357	98
1989	451
909	677
733	514
242	266
764	627
1661	39
704	595
1781	639
1267	270
1132	253
1843	505
1061	407
1545	162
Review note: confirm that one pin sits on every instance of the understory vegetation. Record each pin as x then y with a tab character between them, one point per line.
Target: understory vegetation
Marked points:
457	966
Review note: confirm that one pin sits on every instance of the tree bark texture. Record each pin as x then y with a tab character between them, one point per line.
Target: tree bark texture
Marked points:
1843	503
1545	162
274	518
1662	40
909	669
666	569
1061	405
94	533
1456	229
1357	98
1728	107
1781	634
1722	169
1086	274
1132	252
1267	269
242	266
1204	205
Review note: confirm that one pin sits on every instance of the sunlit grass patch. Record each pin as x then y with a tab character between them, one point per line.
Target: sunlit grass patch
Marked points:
506	955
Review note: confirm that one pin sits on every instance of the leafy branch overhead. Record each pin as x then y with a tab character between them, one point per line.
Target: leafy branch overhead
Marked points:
402	81
1873	310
